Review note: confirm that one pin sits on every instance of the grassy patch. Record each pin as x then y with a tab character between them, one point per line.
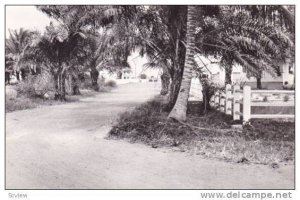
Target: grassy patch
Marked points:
22	96
23	102
263	142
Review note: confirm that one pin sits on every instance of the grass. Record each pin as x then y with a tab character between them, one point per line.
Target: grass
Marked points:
269	142
23	102
23	95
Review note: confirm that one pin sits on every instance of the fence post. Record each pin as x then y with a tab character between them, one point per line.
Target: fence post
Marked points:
228	102
246	103
236	104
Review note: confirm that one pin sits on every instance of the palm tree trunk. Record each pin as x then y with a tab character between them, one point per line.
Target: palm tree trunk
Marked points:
60	88
63	87
94	76
165	82
70	83
7	77
174	90
179	110
18	75
176	73
56	81
228	72
23	74
75	86
258	81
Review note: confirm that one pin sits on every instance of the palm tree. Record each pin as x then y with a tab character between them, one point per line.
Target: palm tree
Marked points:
250	62
267	46
17	49
164	65
179	110
161	30
100	48
92	55
58	51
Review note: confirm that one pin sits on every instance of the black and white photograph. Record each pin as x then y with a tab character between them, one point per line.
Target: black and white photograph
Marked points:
150	97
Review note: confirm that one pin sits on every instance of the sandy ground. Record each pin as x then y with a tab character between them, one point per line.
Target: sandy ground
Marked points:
64	147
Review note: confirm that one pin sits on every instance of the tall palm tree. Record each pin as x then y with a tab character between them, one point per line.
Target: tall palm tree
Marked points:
161	30
78	19
17	49
58	51
179	110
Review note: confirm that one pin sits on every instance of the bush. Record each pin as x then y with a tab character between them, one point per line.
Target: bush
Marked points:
209	88
110	83
36	86
43	84
286	98
103	86
26	87
143	76
22	103
10	93
265	99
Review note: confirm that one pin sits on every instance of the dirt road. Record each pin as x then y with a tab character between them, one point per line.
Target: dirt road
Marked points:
64	147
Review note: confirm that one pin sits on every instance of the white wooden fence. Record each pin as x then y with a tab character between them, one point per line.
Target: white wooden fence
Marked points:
238	102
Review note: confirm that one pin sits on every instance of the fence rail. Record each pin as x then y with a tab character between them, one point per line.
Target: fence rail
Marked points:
238	102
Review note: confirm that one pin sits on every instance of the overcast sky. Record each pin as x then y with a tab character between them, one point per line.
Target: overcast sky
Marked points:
25	16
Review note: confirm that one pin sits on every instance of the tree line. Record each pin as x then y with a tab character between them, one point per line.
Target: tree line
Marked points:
256	37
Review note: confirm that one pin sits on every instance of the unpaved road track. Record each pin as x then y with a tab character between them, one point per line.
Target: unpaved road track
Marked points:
64	147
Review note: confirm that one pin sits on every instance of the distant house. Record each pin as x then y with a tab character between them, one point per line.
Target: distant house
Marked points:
286	79
127	74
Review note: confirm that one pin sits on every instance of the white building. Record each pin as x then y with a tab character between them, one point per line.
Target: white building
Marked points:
217	74
132	74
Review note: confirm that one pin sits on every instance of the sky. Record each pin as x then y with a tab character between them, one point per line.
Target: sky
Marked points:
27	17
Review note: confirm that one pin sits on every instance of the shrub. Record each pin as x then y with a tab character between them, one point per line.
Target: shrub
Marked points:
286	98
265	99
26	87
36	86
209	88
86	82
43	84
110	83
103	86
10	93
143	76
22	103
